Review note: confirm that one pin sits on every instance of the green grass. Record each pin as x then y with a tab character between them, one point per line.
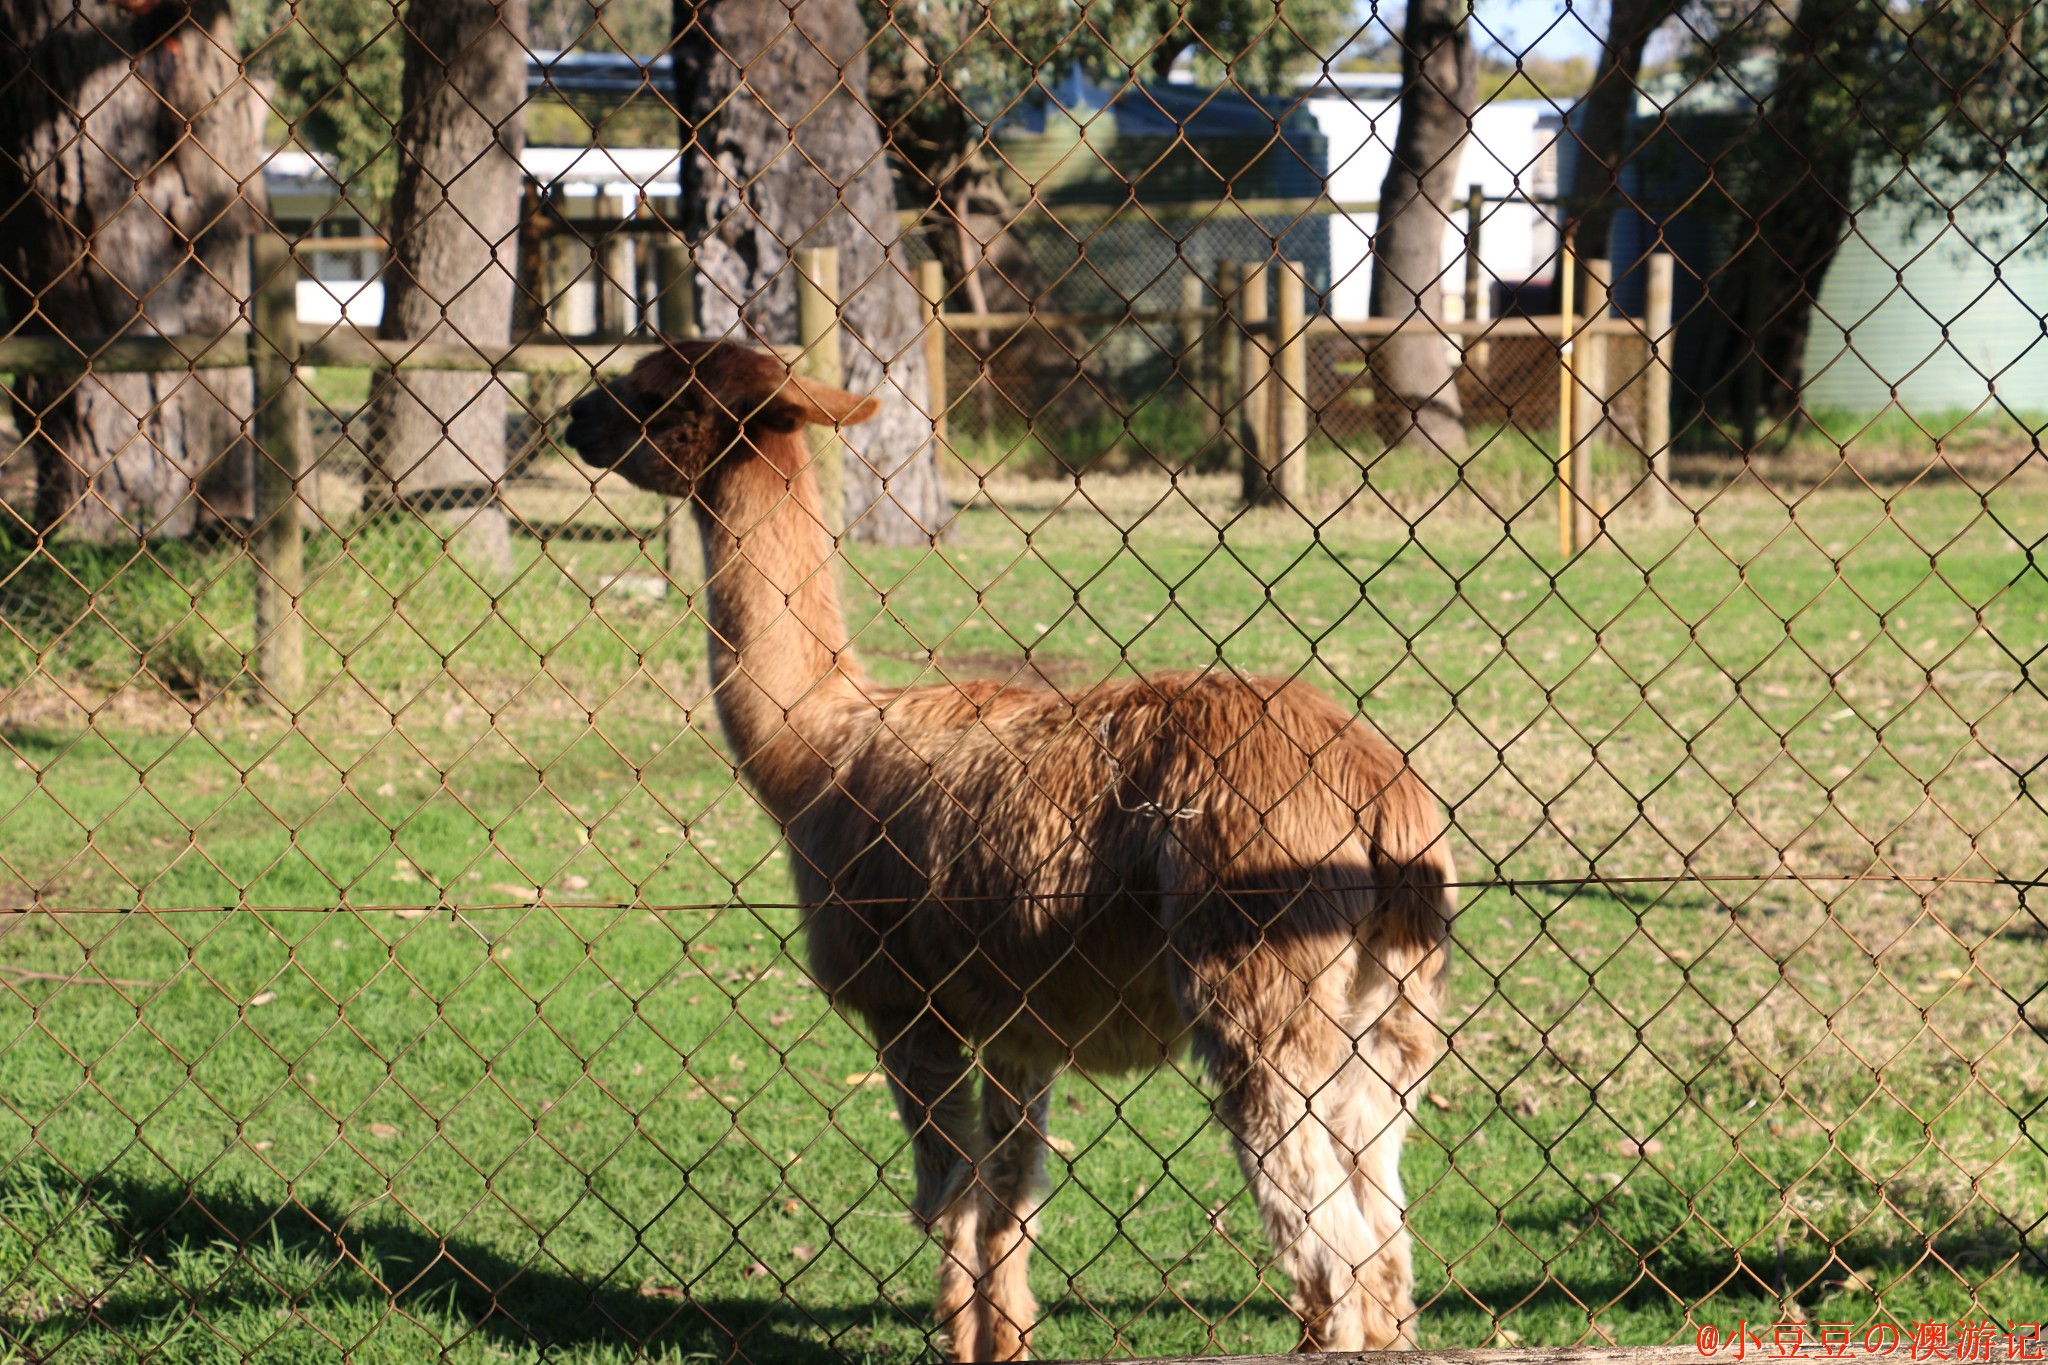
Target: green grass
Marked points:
424	1115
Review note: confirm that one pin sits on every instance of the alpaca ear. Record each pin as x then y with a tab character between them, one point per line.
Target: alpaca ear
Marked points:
827	406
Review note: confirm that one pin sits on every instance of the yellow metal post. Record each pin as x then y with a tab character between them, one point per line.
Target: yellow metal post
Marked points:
1567	393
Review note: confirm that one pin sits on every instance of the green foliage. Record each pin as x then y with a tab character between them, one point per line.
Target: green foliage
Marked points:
336	67
1936	103
943	69
640	26
998	48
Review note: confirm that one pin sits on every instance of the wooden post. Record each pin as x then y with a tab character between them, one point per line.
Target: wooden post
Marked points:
1253	408
675	285
1290	384
1657	380
277	538
1229	343
1567	392
931	284
1589	419
1478	354
1193	371
817	332
646	287
559	254
675	291
614	260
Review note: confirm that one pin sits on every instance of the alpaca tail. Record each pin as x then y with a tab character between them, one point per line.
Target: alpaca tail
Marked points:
1407	936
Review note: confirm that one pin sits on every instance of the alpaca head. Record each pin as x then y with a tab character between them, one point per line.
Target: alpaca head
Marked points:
695	406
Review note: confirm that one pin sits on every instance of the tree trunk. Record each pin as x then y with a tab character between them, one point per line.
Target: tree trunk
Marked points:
754	77
129	186
1413	371
1791	176
1601	124
438	436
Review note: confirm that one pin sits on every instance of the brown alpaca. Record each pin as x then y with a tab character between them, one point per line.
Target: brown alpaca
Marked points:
1011	880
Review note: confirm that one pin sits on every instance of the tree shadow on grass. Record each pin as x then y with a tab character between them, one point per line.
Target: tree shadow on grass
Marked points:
179	1253
248	1264
182	1258
1644	1268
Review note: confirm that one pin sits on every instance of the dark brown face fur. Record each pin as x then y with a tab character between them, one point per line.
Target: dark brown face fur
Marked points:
682	410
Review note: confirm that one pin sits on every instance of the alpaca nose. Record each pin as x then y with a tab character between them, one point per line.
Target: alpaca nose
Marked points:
602	427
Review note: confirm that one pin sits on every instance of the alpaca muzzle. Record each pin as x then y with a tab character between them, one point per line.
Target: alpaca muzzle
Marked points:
605	425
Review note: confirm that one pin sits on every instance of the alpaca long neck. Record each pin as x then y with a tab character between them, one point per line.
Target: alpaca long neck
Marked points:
784	675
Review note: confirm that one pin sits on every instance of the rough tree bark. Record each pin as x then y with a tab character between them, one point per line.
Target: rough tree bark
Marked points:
439	437
1790	179
780	150
1601	123
129	187
1439	89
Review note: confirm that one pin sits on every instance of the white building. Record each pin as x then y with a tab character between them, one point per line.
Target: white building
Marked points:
588	182
1511	156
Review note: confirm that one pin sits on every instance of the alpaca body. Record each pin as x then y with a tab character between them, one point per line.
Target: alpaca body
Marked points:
1027	856
1005	883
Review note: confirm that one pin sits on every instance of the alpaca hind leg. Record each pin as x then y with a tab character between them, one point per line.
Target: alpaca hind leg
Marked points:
1371	1124
1265	979
1300	1179
931	1076
1398	994
1014	1105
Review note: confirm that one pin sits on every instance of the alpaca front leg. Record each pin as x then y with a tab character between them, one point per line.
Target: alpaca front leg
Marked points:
1014	1115
962	1311
931	1077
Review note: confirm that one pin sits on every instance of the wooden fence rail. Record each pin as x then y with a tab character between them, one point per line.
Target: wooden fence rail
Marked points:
1255	361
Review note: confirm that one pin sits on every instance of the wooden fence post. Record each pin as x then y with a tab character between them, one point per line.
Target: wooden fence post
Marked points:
1253	417
1589	419
931	284
1290	384
1478	354
1657	381
675	292
277	535
613	255
817	331
1194	372
559	256
1229	343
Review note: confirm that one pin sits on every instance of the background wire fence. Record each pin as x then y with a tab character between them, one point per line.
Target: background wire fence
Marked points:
436	986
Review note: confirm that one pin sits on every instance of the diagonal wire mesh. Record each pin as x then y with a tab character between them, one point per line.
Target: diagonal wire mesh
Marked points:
746	681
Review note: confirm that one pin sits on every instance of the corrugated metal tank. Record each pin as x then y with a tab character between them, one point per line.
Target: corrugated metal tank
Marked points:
1941	315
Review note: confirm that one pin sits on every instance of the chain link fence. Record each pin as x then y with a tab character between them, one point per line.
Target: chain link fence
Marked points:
751	682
